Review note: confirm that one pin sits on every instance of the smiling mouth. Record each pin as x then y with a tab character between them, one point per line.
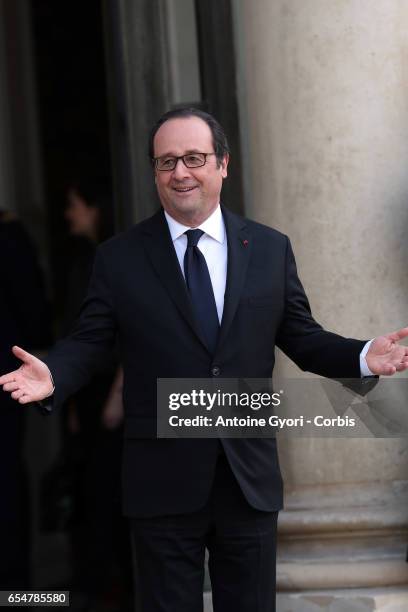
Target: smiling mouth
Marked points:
184	189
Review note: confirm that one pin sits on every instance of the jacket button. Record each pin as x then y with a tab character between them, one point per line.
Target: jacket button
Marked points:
215	370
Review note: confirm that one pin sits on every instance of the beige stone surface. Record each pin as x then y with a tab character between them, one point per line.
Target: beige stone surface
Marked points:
351	601
324	114
384	600
323	104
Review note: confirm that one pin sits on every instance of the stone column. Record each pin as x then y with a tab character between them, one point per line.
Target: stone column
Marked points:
323	103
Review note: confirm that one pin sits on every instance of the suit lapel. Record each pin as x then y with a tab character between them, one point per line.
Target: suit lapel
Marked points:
162	255
239	252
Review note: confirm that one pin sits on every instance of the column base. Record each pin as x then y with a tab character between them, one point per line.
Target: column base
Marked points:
347	600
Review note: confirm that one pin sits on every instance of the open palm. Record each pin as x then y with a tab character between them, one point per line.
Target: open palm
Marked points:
31	382
385	356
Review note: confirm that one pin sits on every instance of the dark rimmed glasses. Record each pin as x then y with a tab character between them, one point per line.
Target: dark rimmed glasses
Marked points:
190	160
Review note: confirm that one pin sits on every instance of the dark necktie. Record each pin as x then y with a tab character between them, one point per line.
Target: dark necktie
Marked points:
200	289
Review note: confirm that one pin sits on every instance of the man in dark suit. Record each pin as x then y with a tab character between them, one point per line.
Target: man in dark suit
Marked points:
195	292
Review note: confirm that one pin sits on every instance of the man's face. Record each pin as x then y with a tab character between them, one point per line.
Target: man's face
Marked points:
189	195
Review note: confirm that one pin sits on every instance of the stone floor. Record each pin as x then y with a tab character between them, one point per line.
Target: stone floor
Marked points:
379	600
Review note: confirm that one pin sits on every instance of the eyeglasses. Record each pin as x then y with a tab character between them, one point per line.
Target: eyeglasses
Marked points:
190	160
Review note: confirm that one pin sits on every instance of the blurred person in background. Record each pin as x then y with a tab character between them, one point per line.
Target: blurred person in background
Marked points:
24	318
92	429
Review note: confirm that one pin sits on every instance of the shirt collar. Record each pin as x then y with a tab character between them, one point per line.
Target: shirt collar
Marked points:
213	226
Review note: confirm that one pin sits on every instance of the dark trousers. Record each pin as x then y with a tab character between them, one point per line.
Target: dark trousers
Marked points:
241	541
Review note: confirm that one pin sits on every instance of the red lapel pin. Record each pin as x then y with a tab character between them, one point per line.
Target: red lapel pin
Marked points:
245	243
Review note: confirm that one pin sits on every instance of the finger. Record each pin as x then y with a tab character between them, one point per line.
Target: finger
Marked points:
398	335
388	370
17	394
6	378
402	366
25	399
398	355
11	386
22	354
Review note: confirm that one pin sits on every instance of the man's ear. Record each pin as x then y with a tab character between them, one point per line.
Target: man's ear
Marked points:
224	166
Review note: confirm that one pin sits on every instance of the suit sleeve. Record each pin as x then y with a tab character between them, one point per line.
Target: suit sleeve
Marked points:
89	346
305	341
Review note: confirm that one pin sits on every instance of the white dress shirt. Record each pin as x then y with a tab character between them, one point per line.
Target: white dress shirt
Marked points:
213	245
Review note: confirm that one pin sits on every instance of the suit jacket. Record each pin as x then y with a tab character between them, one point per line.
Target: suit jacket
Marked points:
137	292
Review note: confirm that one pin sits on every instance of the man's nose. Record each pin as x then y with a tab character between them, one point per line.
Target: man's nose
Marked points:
180	169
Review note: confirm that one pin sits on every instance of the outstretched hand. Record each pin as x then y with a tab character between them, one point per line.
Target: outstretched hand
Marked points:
31	382
385	356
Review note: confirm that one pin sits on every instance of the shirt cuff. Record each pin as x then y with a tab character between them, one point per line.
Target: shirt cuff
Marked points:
364	369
